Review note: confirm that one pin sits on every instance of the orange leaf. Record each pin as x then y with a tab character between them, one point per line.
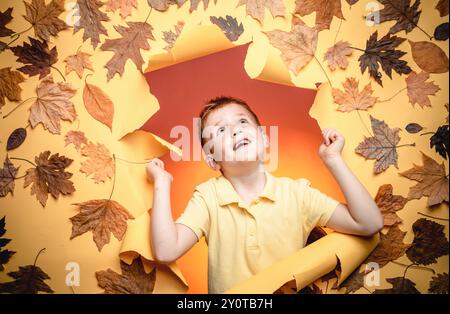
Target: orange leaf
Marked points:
99	163
78	62
389	204
98	104
325	10
337	55
351	98
419	89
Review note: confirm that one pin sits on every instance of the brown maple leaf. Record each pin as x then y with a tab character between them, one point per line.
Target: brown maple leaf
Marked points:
44	18
163	5
429	242
7	176
337	55
28	280
170	37
91	19
99	162
49	176
325	10
256	8
389	204
442	7
297	46
5	18
9	85
400	285
133	39
76	138
390	248
102	217
229	26
433	182
39	57
78	62
419	89
351	99
52	105
125	6
5	254
133	280
439	284
429	57
98	104
354	282
382	146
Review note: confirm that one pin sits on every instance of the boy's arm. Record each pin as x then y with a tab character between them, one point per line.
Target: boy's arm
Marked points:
361	214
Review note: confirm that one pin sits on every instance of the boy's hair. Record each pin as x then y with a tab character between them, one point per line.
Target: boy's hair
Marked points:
219	102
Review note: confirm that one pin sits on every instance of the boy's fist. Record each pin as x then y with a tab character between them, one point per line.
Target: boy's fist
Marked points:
333	143
155	170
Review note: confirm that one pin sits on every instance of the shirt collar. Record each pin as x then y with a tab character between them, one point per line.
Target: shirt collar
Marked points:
227	194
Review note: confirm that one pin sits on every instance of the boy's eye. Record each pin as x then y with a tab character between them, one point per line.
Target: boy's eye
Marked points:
220	130
243	120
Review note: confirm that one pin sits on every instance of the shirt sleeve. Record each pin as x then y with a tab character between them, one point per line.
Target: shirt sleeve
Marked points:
196	215
317	207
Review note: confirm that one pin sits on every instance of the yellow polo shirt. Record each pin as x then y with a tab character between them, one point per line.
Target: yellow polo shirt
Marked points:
244	239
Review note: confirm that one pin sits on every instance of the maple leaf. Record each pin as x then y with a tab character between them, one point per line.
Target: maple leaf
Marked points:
7	176
5	255
76	138
5	18
439	284
433	182
91	20
440	140
163	5
133	39
229	26
78	62
297	46
390	248
133	280
256	8
401	11
351	99
102	217
125	6
170	37
400	285
429	57
44	18
354	282
325	10
52	105
195	3
39	57
9	85
382	146
49	176
383	52
389	204
429	242
99	162
337	55
442	7
419	89
98	104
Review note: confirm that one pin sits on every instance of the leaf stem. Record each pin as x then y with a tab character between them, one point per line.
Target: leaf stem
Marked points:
358	49
367	289
35	260
339	28
58	72
20	33
413	144
362	121
151	8
385	100
23	160
444	219
329	81
426	133
134	162
415	266
114	178
6	115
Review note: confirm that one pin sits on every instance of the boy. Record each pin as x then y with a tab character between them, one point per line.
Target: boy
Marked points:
251	219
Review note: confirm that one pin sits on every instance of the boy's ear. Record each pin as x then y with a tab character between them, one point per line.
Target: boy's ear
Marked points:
211	162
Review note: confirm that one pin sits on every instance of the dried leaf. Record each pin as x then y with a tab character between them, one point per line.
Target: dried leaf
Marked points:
400	285
7	175
195	3
383	52
429	57
133	280
256	8
381	147
229	26
419	89
78	62
440	140
325	10
389	204
99	162
44	18
125	6
91	19
439	284
5	255
9	85
52	105
5	18
289	287
28	280
102	217
442	7
429	242
351	99
400	11
76	138
38	56
297	46
49	176
16	138
98	104
170	37
310	289
432	179
337	55
133	39
413	128
354	282
441	32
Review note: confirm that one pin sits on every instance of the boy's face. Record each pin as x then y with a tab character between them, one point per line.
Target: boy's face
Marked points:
232	137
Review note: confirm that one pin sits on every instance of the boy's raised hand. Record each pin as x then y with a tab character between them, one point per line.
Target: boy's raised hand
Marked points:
332	145
155	170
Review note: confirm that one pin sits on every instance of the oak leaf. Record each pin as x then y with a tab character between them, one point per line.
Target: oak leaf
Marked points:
99	162
49	176
429	57
389	204
91	19
229	26
256	8
44	18
98	104
433	182
7	176
400	285
9	85
102	217
400	11
337	55
419	89
325	10
78	62
351	99
125	6
77	138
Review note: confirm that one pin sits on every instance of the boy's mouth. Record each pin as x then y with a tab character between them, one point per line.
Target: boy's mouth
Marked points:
241	143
